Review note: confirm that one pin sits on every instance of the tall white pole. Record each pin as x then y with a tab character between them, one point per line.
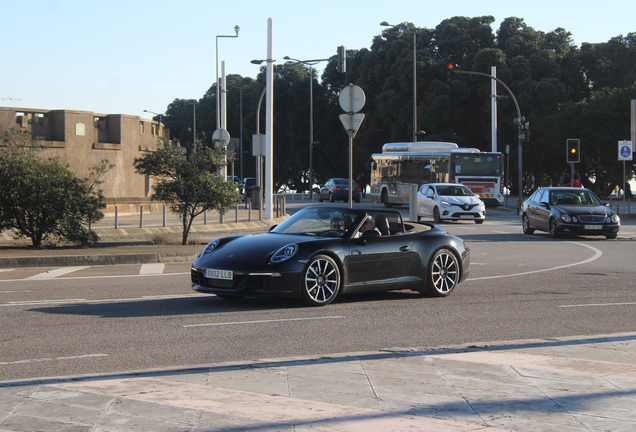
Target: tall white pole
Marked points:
493	105
223	124
269	125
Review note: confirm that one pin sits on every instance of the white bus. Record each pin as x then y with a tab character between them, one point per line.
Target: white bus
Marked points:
401	165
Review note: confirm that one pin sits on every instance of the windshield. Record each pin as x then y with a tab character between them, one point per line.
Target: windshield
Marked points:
454	191
574	197
323	221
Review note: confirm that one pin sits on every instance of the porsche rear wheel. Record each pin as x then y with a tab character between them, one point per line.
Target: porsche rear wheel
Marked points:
443	273
321	281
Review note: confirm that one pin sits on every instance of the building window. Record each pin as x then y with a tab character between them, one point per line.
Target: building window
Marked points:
141	128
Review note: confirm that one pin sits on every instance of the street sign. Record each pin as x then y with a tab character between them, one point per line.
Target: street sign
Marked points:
221	137
351	98
625	151
351	122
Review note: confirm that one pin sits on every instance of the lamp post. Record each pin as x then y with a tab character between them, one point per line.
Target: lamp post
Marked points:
386	24
236	29
311	169
311	64
160	116
240	89
194	125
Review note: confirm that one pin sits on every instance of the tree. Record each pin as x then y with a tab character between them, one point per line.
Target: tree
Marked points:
188	183
42	198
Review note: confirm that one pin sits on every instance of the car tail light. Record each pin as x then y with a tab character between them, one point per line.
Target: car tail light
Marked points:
336	189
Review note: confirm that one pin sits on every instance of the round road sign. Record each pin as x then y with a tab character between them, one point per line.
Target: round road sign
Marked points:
351	98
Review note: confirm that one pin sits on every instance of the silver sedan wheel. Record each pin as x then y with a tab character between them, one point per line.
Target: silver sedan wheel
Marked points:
321	282
443	274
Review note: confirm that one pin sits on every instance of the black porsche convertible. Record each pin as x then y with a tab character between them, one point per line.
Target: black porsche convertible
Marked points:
320	252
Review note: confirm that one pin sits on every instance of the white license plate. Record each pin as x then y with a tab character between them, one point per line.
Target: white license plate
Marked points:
219	274
593	227
467	217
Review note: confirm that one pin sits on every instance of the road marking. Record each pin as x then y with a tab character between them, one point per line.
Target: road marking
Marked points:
53	359
75	301
4	270
598	304
503	232
55	273
100	277
151	269
263	321
597	255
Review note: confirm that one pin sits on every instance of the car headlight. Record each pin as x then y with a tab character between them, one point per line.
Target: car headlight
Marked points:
210	247
445	204
615	218
284	253
566	217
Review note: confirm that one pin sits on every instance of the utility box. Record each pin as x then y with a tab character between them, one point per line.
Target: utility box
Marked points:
256	197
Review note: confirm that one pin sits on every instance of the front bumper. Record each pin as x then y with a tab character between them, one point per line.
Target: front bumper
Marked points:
270	284
584	229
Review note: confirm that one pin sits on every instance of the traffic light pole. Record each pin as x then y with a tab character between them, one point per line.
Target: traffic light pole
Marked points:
518	121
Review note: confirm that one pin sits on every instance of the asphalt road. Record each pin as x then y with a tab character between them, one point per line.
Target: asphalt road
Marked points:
68	321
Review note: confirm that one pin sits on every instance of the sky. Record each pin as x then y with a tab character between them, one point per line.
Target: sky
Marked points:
127	56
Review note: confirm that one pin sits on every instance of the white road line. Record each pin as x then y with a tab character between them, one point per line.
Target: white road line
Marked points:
151	269
597	255
263	321
55	273
53	359
75	301
100	277
4	270
597	304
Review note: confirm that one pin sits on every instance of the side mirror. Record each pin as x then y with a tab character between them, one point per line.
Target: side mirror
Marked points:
545	204
271	228
606	204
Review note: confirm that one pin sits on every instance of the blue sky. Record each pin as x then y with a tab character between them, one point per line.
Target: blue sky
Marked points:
122	57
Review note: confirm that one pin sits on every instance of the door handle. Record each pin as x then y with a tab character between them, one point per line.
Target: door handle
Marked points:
405	248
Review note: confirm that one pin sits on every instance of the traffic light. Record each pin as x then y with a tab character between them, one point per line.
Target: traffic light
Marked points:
342	59
524	132
450	67
573	148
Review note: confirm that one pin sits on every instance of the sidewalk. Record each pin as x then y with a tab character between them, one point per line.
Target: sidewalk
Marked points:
562	384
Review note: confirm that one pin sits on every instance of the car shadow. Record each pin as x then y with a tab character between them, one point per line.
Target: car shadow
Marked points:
207	305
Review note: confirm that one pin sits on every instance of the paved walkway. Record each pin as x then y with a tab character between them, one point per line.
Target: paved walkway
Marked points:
562	384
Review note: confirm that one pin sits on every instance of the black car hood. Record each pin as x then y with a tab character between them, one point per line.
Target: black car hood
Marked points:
584	210
251	249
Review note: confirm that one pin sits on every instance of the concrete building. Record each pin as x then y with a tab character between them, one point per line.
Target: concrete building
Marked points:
84	138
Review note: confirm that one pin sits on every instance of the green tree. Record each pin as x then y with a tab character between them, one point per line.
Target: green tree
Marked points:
188	183
42	198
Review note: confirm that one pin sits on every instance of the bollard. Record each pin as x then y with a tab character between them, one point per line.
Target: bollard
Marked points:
249	214
115	217
164	215
518	206
221	218
236	213
141	216
205	217
618	209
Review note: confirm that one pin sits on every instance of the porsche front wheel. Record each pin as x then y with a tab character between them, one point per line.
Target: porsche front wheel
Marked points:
321	281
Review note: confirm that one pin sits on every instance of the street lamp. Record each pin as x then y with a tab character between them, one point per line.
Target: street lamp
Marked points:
386	24
240	89
160	116
311	169
236	29
194	126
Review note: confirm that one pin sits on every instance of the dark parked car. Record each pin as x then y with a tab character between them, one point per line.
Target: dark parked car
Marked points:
337	189
245	188
568	210
320	252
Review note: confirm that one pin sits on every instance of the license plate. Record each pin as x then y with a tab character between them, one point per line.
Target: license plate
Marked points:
467	217
593	227
219	274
